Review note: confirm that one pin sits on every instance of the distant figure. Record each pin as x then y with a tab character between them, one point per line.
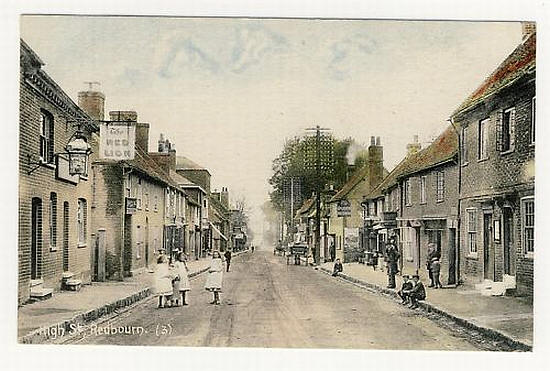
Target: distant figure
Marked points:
392	255
431	254
418	292
227	256
162	286
374	259
252	247
405	290
332	252
181	281
215	277
337	267
435	268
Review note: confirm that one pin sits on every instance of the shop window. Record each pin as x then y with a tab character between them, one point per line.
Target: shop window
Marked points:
53	220
82	219
472	231
528	225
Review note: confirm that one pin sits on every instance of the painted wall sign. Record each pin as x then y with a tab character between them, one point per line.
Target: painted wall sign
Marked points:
343	208
117	140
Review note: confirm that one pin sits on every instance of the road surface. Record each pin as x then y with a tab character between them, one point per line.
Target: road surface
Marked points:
267	303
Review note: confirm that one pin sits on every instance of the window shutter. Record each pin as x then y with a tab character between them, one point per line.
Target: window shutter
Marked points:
499	138
512	128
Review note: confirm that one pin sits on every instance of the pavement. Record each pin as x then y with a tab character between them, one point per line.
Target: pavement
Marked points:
267	303
507	317
67	308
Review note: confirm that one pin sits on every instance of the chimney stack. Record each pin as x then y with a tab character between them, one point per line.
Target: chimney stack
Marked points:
92	102
161	143
413	147
375	162
527	29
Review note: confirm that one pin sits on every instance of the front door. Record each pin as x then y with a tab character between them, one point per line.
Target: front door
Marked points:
507	240
488	265
36	237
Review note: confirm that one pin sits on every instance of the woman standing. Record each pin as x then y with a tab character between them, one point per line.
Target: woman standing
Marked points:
181	285
215	276
163	282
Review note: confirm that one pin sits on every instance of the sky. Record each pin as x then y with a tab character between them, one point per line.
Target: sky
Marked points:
228	91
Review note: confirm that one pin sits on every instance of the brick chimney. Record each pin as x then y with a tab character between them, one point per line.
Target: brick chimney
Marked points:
527	29
93	103
224	197
142	129
413	147
375	162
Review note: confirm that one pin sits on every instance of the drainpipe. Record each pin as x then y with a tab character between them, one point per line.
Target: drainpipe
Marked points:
458	229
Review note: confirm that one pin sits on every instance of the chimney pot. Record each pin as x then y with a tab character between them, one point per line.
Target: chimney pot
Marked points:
377	141
372	141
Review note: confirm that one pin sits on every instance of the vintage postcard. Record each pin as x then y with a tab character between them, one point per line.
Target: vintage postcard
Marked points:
252	182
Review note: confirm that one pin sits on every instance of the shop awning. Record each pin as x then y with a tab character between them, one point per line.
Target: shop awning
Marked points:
217	231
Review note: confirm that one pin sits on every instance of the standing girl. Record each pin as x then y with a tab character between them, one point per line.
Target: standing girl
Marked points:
163	282
181	285
215	276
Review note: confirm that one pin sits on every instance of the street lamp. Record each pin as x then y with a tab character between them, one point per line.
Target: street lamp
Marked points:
78	151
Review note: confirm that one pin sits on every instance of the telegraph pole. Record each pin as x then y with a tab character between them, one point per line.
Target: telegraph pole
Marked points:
318	187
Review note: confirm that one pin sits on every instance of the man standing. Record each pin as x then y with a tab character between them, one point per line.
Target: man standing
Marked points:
392	257
227	256
432	253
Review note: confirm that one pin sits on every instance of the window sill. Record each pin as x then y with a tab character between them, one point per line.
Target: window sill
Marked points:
472	256
507	152
482	159
49	165
529	256
465	164
81	245
423	203
53	248
439	201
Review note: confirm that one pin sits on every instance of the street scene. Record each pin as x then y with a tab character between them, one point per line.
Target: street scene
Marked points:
276	183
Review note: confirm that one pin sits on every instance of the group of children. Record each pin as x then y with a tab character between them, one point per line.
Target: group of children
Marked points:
412	291
171	281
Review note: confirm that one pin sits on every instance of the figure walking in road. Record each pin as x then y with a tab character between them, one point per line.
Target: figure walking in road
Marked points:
181	285
227	256
163	282
393	257
215	277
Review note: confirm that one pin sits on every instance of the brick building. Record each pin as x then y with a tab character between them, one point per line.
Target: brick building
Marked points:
346	231
497	140
54	230
133	202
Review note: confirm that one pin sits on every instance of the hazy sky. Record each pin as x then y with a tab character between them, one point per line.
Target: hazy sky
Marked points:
228	92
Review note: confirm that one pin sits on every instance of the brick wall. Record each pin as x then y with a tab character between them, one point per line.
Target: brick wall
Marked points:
40	184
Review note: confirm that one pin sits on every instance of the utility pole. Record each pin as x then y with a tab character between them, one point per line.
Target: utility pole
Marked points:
318	187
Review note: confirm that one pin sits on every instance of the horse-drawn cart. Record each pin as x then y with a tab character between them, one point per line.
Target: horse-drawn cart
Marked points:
296	251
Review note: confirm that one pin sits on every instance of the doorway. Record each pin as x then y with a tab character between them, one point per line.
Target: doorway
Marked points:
36	238
488	258
65	236
507	240
452	278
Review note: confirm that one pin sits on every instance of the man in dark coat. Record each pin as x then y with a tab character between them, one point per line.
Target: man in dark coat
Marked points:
392	255
227	256
418	292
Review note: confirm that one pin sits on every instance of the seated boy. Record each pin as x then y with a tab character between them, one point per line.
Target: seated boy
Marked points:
418	292
405	290
337	267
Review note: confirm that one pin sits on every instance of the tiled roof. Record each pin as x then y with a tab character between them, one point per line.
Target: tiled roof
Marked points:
360	175
444	148
185	163
520	62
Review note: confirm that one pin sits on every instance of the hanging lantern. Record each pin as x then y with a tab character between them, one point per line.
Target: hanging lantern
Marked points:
79	151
